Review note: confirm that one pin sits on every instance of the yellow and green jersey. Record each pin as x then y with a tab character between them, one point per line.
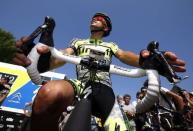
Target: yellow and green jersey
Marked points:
82	47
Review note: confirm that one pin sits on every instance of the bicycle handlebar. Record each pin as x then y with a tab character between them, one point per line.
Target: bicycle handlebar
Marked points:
101	65
153	76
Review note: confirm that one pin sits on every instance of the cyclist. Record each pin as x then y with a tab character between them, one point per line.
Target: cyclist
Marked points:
53	97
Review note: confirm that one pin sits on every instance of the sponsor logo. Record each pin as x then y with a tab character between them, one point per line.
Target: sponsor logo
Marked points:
9	119
16	98
121	68
10	126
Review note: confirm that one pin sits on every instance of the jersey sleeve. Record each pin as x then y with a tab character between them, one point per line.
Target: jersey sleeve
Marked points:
114	47
73	44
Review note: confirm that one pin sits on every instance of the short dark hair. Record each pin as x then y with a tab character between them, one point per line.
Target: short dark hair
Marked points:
137	94
126	95
143	88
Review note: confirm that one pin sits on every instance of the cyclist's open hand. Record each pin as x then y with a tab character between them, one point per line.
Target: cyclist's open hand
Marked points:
177	64
20	57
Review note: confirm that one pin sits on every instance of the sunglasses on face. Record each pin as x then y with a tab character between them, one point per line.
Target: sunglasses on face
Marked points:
99	18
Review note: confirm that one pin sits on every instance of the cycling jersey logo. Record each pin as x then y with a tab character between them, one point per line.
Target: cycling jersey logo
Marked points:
87	92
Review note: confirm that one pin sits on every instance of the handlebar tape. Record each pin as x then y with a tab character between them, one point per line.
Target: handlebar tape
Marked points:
40	63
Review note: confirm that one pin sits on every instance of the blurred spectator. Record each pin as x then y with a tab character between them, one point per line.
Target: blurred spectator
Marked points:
171	99
187	109
129	109
4	89
120	100
163	113
189	98
26	111
140	118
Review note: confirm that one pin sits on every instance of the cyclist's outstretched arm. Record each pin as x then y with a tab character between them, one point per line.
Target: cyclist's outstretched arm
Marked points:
54	62
128	57
20	57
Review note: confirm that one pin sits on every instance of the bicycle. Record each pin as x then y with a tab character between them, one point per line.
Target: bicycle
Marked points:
84	105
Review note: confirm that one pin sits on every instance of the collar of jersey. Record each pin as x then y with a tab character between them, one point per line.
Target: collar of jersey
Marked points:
95	41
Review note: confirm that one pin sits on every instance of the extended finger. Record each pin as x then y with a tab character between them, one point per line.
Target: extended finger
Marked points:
145	53
179	68
21	41
170	55
24	39
18	43
23	58
43	49
17	61
177	62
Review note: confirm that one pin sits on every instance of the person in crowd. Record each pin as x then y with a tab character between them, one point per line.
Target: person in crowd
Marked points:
129	110
165	111
188	108
187	111
189	98
120	100
140	118
4	89
128	107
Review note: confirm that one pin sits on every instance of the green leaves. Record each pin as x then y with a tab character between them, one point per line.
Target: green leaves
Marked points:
7	46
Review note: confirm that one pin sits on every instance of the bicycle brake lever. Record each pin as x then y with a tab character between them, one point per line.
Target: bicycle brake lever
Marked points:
169	73
175	81
40	29
47	32
48	23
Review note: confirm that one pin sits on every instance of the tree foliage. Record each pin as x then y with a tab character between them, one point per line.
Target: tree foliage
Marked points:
7	48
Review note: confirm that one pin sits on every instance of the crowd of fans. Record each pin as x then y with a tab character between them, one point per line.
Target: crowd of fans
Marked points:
173	111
